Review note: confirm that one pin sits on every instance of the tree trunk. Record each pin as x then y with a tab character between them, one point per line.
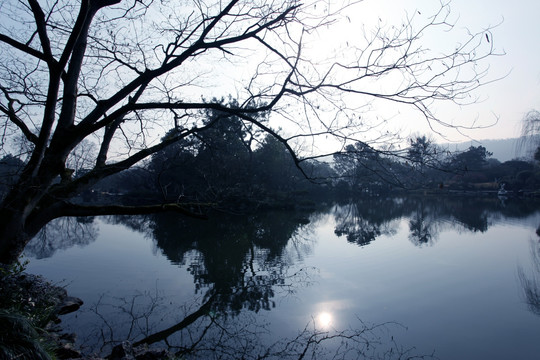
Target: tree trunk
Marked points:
16	229
13	237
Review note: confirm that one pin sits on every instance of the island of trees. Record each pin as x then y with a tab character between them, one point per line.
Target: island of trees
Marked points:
233	167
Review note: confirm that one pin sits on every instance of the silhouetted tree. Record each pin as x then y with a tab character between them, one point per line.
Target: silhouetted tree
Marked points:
427	161
365	168
275	169
114	72
473	159
530	132
10	167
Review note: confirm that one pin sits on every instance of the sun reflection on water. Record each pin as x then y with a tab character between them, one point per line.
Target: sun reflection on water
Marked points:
324	320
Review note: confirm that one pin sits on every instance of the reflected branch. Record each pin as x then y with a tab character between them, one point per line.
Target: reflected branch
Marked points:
188	320
531	282
62	234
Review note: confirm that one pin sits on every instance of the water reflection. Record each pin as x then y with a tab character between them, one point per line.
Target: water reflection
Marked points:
204	334
265	235
530	279
240	261
62	234
423	225
363	221
324	320
242	265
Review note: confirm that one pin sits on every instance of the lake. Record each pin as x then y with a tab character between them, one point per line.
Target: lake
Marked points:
452	278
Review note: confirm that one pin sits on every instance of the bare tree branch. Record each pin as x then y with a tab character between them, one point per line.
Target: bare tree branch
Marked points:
68	77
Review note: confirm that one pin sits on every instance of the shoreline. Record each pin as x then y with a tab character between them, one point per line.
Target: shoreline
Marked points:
30	313
36	303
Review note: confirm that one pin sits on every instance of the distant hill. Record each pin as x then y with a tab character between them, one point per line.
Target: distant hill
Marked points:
502	149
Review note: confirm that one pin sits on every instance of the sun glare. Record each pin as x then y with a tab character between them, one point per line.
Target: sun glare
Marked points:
324	320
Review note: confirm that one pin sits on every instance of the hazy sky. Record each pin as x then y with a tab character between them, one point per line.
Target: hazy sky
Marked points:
518	36
513	96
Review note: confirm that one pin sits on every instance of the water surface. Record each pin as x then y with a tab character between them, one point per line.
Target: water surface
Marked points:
456	278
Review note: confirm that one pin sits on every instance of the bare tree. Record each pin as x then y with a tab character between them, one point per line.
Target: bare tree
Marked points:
118	72
531	282
530	131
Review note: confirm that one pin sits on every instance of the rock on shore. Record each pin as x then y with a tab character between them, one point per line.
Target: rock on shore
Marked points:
43	303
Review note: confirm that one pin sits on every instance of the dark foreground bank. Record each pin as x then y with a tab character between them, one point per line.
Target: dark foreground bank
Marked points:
31	310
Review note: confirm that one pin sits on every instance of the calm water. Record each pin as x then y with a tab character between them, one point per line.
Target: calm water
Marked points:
453	278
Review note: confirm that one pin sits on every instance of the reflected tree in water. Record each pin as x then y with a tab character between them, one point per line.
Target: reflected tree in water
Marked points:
531	282
62	234
247	263
238	261
474	213
116	319
363	221
201	333
422	225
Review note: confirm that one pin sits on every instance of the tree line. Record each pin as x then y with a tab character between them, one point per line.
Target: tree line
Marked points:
424	165
236	167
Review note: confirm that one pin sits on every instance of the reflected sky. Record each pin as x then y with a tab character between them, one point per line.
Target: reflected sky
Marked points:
458	294
324	320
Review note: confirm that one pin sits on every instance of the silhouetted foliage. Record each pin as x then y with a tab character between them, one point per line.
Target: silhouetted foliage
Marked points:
10	167
232	166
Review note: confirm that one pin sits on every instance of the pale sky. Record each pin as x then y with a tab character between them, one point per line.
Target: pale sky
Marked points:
511	98
518	36
503	104
508	99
